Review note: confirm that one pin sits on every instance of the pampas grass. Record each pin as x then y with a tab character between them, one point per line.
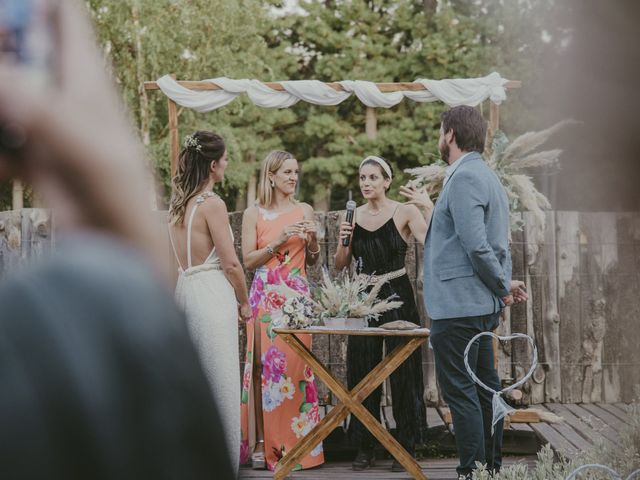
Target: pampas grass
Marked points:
347	296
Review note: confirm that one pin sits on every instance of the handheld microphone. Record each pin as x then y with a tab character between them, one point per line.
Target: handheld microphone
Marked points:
351	208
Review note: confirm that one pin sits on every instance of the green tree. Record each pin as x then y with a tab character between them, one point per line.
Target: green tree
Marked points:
382	41
195	39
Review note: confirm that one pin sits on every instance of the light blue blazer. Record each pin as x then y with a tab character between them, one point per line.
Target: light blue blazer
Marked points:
467	261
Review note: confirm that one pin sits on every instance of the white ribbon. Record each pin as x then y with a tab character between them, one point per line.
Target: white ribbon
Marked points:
615	475
500	407
469	91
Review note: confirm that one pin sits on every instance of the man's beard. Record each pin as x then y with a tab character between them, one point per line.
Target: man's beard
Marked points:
444	151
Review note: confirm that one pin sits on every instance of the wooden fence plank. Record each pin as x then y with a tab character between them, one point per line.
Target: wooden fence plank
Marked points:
536	273
568	238
10	241
594	228
621	283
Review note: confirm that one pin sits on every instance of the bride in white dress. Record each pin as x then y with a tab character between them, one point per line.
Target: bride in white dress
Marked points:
211	286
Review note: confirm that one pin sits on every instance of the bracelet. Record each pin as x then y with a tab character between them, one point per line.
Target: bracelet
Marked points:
313	253
270	250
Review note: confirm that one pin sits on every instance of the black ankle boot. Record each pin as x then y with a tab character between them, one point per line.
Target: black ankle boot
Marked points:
365	459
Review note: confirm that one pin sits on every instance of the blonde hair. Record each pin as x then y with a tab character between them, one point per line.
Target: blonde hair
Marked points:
271	164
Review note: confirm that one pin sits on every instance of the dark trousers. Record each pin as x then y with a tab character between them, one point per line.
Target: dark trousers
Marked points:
470	404
363	354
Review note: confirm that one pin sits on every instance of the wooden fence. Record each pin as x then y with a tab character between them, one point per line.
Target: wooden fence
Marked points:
583	312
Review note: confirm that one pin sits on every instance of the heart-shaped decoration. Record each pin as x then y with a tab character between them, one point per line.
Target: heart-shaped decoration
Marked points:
615	475
500	407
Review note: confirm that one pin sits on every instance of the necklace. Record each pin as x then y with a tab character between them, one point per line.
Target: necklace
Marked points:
370	212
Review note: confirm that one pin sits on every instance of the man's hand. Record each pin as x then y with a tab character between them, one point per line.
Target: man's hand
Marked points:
518	291
508	300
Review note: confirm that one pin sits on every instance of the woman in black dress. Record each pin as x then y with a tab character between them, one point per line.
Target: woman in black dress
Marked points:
378	243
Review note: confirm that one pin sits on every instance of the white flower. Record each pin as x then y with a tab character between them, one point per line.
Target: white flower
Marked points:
287	390
299	424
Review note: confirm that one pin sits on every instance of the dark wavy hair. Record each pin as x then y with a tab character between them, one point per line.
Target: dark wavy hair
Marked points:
192	173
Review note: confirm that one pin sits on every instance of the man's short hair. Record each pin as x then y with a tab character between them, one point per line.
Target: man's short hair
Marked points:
469	128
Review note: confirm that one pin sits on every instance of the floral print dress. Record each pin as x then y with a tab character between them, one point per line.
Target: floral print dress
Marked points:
288	387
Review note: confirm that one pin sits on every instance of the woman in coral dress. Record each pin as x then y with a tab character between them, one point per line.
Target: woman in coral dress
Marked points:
279	401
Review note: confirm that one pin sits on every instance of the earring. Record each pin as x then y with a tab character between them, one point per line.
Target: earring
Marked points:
272	184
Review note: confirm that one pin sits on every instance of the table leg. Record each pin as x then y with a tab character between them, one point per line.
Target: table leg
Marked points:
351	401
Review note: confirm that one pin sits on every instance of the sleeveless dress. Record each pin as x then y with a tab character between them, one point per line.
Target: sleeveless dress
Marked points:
288	387
378	252
209	301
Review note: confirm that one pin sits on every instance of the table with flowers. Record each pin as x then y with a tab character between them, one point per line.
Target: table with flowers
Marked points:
351	401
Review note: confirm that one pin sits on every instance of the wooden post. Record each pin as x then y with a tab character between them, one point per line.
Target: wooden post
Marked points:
371	125
494	122
17	201
494	117
173	134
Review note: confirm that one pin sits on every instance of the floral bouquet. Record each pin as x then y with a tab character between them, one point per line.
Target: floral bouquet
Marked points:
347	296
298	311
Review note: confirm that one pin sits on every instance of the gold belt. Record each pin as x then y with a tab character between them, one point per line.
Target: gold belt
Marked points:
385	277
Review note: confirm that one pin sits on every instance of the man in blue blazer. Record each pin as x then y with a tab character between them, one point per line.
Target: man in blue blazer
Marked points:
467	282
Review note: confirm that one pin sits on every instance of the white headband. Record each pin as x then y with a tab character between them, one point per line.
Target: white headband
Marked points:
380	161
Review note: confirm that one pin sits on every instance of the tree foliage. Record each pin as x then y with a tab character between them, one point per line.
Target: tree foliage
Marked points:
377	40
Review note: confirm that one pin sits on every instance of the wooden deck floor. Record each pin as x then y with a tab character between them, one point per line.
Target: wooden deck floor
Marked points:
434	469
583	426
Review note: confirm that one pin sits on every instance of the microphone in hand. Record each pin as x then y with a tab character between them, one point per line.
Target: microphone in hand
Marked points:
351	208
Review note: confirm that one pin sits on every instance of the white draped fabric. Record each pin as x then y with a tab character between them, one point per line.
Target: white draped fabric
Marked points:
466	91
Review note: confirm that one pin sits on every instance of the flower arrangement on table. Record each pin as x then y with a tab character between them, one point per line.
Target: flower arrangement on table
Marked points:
346	296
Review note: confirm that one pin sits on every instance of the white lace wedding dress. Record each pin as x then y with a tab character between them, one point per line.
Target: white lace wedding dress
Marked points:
210	305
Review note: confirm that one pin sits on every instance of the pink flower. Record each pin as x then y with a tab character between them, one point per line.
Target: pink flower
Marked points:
308	374
297	283
274	364
257	290
314	414
244	452
274	300
274	276
246	377
311	392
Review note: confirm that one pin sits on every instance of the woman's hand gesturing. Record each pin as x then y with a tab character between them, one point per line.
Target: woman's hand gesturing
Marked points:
419	198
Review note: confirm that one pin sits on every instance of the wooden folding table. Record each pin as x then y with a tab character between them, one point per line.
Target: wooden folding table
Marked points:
351	401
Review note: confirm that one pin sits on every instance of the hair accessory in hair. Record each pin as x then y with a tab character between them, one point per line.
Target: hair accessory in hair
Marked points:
190	141
380	161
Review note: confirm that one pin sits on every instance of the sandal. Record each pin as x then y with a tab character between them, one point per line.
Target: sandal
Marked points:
258	461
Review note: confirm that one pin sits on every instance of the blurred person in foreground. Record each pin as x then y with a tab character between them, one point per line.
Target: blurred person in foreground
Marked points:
99	378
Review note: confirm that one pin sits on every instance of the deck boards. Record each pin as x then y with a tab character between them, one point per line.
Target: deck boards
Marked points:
434	469
583	426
